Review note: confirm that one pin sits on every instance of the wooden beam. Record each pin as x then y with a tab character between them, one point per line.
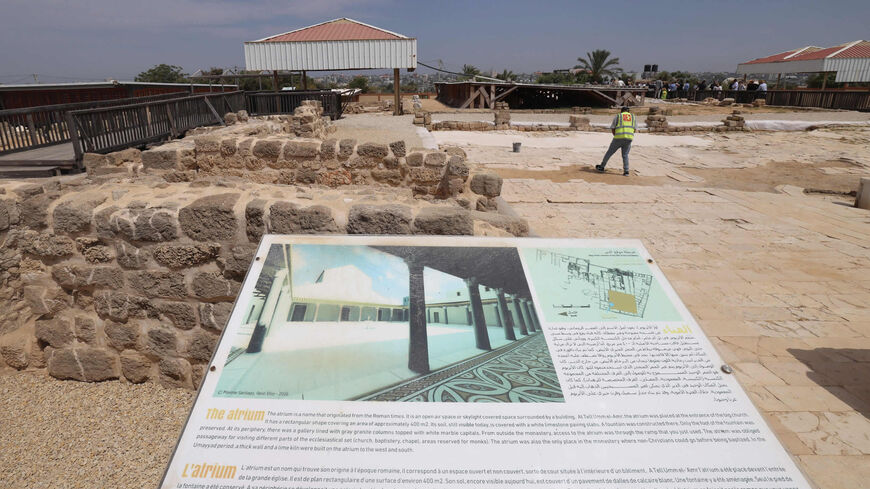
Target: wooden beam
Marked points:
604	96
484	97
505	93
304	80
275	81
217	116
470	99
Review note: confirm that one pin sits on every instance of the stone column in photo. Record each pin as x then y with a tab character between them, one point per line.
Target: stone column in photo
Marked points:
266	313
481	336
530	322
515	299
535	317
507	320
418	342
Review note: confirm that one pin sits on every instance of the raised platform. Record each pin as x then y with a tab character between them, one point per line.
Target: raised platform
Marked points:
484	95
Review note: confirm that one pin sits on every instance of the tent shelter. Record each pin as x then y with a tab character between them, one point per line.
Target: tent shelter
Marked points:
850	61
340	44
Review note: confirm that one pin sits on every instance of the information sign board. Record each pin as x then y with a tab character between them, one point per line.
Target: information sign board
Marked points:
378	362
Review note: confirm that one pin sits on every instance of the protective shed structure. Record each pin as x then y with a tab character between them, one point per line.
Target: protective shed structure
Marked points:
850	61
339	44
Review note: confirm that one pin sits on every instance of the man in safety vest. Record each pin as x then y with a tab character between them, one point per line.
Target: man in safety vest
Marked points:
623	127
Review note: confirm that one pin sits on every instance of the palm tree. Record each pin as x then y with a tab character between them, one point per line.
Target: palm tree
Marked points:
470	70
507	75
598	63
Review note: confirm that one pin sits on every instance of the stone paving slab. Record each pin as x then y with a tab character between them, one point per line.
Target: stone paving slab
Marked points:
779	282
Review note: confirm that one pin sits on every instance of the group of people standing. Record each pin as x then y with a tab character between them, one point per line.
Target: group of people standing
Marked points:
681	88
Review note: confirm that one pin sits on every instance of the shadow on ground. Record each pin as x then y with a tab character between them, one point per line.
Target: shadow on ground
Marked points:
844	372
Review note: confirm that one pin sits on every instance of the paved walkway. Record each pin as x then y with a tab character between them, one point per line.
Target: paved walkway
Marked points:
780	283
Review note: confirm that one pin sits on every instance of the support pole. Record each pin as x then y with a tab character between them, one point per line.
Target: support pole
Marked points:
275	81
397	97
520	317
481	336
507	320
778	78
530	321
304	80
824	79
418	345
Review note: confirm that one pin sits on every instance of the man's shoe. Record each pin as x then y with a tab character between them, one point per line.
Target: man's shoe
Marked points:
599	168
625	173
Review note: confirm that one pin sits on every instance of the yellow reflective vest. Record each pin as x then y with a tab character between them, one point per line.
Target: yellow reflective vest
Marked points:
625	127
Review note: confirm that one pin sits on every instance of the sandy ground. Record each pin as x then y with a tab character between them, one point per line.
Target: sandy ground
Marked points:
379	128
717	116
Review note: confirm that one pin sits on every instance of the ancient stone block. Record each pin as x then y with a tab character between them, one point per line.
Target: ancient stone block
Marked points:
236	260
56	332
335	178
121	335
200	346
268	149
390	177
182	314
346	147
47	245
142	224
184	256
450	186
414	159
230	118
228	147
514	225
255	226
45	300
83	363
174	372
437	160
288	218
158	283
488	184
425	175
207	144
457	167
85	329
72	277
112	305
211	286
92	161
375	151
210	218
327	149
160	342
443	221
135	366
379	219
398	148
301	149
306	176
74	215
130	256
15	353
8	213
486	204
214	316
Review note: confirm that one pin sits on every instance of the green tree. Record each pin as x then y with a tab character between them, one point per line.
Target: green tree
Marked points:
555	79
163	73
506	75
599	64
469	71
815	81
360	82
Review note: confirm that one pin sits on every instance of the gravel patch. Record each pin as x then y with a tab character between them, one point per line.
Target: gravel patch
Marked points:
78	435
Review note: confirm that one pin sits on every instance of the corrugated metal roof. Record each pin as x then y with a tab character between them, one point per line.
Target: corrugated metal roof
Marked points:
331	55
774	57
343	29
821	53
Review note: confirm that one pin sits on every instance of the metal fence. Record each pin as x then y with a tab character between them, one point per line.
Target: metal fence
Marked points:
285	102
108	129
824	99
36	127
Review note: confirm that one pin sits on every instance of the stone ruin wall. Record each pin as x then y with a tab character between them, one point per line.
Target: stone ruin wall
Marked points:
129	272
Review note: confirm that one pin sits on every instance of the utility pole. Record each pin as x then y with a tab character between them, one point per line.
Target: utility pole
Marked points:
35	78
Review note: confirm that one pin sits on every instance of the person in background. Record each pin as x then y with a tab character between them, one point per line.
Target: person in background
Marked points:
623	127
658	85
717	87
752	86
664	93
762	86
741	85
702	86
735	85
686	87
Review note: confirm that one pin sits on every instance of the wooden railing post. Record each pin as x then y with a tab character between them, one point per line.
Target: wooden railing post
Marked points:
74	137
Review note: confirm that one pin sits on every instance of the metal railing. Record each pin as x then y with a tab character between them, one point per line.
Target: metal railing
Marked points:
285	102
824	99
108	129
36	127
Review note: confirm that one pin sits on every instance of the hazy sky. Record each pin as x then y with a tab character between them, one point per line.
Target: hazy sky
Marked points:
95	39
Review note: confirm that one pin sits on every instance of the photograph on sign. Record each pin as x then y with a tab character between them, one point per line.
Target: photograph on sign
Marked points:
331	322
